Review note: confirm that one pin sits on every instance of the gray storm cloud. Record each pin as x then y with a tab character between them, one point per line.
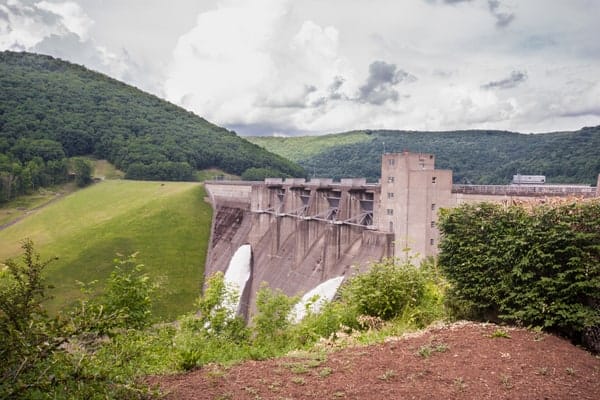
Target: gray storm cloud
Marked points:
503	18
515	79
334	88
379	87
498	10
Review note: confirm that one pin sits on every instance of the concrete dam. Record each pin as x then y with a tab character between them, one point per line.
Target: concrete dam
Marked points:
305	233
301	234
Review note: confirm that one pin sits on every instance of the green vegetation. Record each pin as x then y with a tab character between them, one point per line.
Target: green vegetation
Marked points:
168	223
259	174
301	148
82	169
214	174
105	170
388	290
477	157
427	349
20	206
100	345
43	357
536	267
51	110
500	333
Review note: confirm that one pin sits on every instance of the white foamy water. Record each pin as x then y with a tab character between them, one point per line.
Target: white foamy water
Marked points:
238	274
324	293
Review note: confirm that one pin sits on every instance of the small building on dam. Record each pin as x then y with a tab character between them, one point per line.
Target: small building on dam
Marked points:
305	233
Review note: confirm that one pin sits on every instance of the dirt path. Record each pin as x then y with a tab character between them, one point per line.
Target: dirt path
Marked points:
56	197
460	361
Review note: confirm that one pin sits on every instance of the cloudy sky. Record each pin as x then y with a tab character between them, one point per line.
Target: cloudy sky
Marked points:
283	67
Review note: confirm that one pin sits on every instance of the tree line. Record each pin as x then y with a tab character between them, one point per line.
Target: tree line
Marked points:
54	110
475	157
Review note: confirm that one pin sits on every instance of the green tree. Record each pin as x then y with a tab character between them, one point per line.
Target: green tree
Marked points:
82	169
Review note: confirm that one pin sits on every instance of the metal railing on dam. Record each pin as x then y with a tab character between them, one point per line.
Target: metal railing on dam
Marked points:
527	190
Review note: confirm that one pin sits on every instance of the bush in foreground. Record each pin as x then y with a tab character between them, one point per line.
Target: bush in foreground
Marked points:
536	267
43	356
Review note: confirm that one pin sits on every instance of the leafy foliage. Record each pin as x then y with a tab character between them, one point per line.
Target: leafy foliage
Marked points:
538	267
477	157
130	290
98	348
51	109
386	290
259	174
52	357
271	321
82	169
395	289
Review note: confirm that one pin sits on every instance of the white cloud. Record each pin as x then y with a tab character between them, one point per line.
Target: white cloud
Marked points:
279	66
435	65
72	17
242	64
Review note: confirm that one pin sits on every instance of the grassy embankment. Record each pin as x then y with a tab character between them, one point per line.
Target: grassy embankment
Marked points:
304	147
167	223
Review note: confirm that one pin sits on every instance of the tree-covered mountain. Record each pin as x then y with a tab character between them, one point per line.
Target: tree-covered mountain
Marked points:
478	157
51	109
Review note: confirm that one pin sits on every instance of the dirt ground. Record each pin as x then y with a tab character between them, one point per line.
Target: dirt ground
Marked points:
458	361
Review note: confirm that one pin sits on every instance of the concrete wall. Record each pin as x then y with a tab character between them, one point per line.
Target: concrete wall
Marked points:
291	250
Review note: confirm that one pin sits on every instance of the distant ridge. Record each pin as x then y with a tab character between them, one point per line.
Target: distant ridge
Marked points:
475	156
88	113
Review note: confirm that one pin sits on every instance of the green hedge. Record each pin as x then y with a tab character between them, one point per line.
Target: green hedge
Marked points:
535	266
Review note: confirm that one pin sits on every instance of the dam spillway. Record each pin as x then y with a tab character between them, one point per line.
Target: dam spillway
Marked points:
301	235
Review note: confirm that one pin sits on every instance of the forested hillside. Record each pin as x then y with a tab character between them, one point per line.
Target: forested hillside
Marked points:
478	157
51	110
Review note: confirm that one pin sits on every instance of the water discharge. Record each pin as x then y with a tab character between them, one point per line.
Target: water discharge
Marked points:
238	274
315	298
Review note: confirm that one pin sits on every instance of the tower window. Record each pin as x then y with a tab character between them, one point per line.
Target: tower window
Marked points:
431	242
433	206
433	224
390	195
390	211
391	161
433	179
390	179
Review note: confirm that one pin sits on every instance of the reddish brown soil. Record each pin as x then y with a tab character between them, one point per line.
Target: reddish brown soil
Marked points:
460	361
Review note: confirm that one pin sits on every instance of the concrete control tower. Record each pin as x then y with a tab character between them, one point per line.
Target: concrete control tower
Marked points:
412	192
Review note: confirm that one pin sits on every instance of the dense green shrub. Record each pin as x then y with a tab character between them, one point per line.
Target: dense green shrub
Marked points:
271	322
537	266
43	356
129	291
82	169
386	290
215	333
259	174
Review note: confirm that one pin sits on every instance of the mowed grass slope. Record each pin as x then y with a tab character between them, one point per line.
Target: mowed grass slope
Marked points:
167	223
304	147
